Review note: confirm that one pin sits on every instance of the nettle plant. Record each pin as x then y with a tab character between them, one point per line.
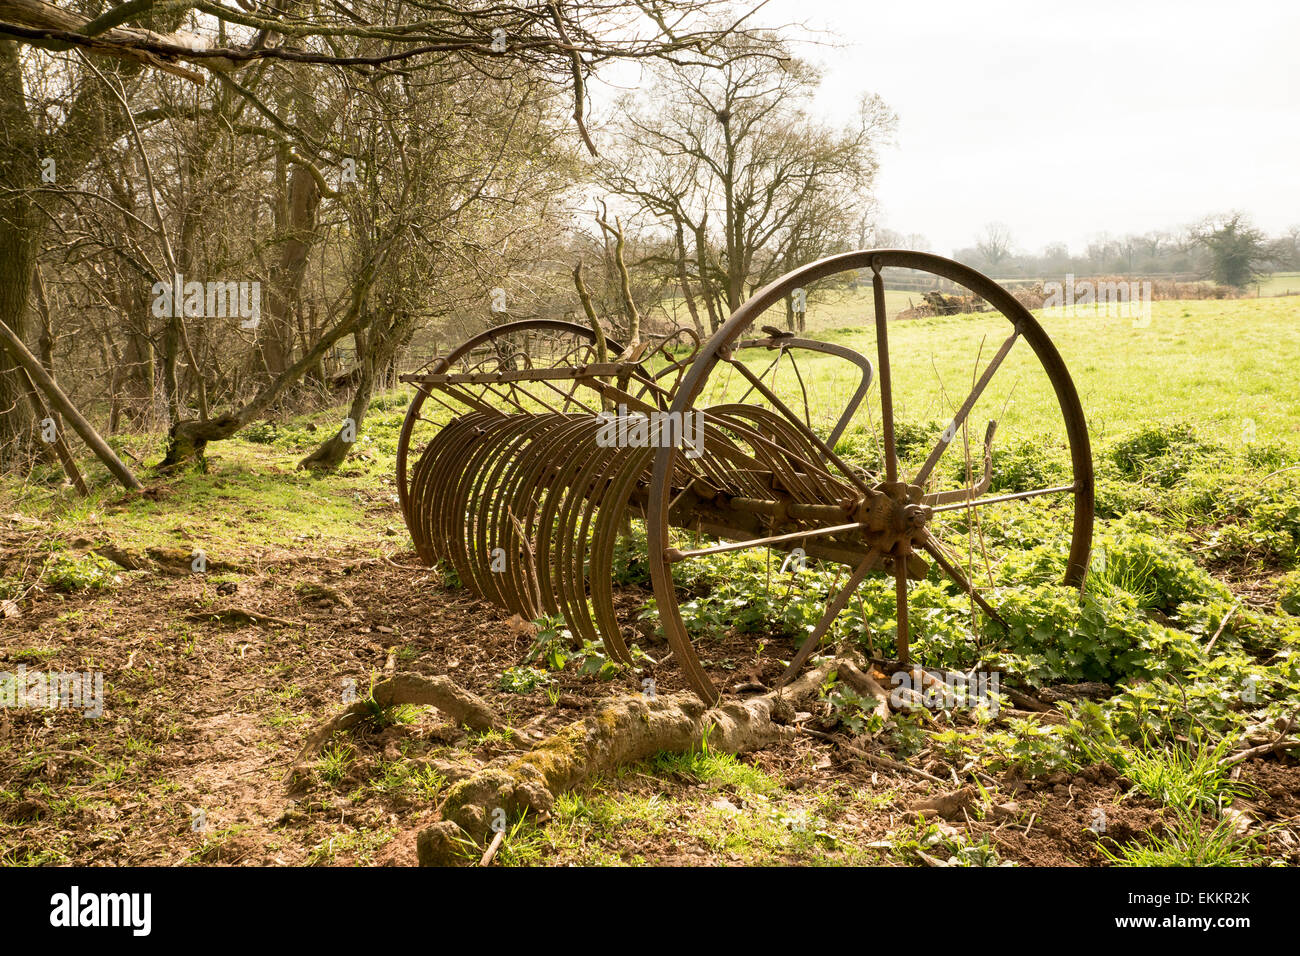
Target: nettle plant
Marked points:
748	593
1161	454
1288	593
554	648
524	679
87	572
851	710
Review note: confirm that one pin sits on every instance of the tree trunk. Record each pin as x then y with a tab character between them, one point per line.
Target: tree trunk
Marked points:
376	348
593	320
297	221
706	286
684	282
331	452
633	331
19	239
188	439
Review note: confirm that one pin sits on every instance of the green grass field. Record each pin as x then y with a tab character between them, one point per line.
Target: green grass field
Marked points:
1231	367
1279	283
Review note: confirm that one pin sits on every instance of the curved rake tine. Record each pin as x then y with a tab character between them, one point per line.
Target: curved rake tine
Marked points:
812	436
789	346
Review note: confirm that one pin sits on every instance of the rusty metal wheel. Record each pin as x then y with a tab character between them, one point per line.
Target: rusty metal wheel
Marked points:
783	474
532	343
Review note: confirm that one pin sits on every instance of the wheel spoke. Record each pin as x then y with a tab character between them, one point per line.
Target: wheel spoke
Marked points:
951	431
900	590
978	502
672	554
886	380
971	492
935	549
828	617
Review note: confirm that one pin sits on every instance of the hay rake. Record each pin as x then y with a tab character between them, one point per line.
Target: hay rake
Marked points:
552	447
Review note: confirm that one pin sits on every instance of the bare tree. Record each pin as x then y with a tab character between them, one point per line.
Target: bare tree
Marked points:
728	156
994	244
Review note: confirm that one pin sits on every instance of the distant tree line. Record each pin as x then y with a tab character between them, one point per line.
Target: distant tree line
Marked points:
1227	249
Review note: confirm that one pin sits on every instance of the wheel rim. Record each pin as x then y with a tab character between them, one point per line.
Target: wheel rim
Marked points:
718	349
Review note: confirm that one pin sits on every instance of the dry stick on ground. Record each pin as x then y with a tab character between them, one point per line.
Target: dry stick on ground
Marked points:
441	692
402	567
123	558
1278	743
878	760
622	733
1020	698
491	852
1222	624
73	754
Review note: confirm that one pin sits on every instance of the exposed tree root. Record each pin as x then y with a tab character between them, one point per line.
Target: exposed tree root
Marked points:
478	804
124	558
624	732
460	705
864	684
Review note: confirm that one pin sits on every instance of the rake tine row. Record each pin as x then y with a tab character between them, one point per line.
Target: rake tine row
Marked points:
528	509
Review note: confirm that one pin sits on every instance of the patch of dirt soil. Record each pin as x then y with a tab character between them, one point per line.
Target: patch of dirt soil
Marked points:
1064	819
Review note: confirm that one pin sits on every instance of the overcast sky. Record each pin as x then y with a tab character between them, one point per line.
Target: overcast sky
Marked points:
1065	122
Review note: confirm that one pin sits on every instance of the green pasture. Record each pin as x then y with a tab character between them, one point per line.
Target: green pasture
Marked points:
1231	367
1279	283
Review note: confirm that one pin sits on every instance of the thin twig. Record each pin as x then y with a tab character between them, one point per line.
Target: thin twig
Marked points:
878	760
1222	624
490	854
1262	749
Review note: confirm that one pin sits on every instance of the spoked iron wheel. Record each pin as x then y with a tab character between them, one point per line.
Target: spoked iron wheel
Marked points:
791	488
530	343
